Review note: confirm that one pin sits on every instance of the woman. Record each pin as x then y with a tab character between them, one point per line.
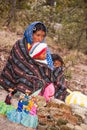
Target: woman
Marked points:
21	71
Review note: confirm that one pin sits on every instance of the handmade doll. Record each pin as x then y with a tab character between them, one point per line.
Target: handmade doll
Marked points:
31	119
9	96
16	114
26	101
6	105
26	97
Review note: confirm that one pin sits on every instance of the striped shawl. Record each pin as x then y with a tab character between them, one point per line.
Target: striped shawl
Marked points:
22	72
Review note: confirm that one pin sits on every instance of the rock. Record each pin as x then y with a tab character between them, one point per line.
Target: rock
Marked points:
53	128
42	127
77	127
70	125
53	116
85	119
61	121
41	101
57	101
83	126
53	112
2	57
64	127
78	110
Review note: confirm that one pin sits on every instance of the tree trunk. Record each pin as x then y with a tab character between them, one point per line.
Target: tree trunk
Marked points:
11	15
85	1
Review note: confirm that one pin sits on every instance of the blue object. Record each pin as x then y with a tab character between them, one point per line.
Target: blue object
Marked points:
20	106
29	32
29	120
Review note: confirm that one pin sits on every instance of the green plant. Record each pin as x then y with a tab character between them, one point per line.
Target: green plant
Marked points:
68	74
61	121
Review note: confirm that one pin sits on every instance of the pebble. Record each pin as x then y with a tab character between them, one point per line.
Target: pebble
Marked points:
42	127
77	127
70	125
84	126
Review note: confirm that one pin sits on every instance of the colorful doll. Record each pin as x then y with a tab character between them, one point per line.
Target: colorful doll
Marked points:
31	119
26	101
26	97
16	114
6	105
9	96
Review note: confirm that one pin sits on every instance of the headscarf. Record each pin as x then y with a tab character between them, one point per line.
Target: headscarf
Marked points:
36	50
29	32
28	36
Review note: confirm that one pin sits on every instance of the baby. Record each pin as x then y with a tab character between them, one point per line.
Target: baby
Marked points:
38	52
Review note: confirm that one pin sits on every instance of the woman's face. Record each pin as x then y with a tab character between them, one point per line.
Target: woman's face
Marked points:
38	36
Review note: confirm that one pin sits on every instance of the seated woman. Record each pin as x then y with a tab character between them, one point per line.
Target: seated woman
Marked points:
21	71
28	116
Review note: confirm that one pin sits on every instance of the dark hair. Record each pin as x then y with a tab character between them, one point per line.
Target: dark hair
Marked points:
57	57
38	27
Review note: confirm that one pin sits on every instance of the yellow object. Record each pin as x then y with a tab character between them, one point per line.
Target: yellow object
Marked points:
30	104
69	91
29	45
76	97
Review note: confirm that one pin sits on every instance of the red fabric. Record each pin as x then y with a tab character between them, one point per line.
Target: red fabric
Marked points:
38	54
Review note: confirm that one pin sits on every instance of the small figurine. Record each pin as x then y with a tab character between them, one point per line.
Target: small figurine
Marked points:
9	96
16	114
6	105
20	105
31	119
26	97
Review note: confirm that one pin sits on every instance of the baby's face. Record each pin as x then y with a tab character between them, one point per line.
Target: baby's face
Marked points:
42	56
57	63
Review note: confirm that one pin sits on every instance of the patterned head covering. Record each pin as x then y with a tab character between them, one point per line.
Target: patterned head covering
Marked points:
29	32
37	49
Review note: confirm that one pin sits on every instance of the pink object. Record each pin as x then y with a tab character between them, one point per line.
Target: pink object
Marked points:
33	110
49	92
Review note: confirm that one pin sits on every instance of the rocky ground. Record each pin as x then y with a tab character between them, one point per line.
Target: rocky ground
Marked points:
53	116
49	117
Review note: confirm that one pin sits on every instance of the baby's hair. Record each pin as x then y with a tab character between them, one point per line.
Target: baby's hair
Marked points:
38	27
57	57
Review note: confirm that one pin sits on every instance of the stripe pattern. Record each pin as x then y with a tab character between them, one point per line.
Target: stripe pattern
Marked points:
22	72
